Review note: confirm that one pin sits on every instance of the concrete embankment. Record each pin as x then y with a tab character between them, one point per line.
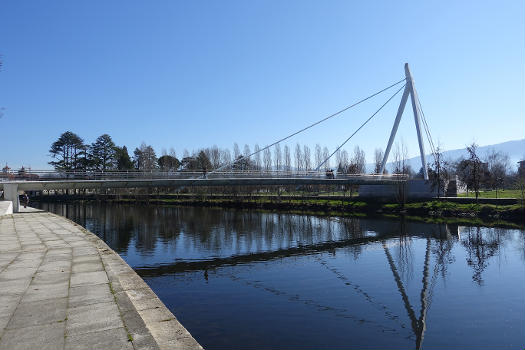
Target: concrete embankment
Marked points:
490	211
6	207
61	287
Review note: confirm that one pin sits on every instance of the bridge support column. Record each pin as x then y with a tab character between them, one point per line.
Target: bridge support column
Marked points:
11	194
400	111
409	89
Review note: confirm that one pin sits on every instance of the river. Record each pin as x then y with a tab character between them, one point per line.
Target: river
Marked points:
259	280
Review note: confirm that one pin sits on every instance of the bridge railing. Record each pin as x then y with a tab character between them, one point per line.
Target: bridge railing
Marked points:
53	175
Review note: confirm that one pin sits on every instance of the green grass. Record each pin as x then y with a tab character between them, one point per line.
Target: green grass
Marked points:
492	194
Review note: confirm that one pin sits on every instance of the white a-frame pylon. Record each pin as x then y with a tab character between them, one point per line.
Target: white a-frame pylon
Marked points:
409	89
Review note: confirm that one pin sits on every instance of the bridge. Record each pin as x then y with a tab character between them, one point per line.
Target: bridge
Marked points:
227	175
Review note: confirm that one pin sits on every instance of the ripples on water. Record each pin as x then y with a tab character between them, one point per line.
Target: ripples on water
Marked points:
248	279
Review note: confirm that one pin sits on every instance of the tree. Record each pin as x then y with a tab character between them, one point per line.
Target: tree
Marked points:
471	170
69	150
438	173
307	158
137	159
236	151
401	165
103	153
298	157
343	162
168	163
326	154
498	166
226	157
122	158
145	157
203	161
378	160
267	159
247	152
358	162
215	157
318	155
277	157
287	158
190	163
257	157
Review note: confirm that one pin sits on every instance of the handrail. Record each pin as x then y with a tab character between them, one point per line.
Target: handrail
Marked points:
43	175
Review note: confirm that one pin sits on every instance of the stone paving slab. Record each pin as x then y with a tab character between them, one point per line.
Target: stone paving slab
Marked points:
61	287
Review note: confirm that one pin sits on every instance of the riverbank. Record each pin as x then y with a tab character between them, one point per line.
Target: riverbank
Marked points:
61	287
434	210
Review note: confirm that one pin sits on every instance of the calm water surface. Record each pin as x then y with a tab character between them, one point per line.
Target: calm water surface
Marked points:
248	279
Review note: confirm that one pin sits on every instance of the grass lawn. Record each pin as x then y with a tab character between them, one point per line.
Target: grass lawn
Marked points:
492	194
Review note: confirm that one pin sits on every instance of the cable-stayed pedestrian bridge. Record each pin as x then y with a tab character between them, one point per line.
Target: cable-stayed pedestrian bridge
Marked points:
191	179
228	174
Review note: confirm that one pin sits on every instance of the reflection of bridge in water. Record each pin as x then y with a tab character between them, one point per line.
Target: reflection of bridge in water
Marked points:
417	323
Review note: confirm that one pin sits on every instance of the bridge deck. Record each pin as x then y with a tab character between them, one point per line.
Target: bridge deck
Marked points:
243	181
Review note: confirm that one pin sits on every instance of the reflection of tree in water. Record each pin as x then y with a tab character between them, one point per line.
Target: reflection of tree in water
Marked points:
481	245
405	256
211	230
521	247
442	251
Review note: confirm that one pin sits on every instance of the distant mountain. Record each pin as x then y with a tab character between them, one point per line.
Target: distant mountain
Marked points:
514	149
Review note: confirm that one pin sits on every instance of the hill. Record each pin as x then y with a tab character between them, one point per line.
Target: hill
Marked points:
514	149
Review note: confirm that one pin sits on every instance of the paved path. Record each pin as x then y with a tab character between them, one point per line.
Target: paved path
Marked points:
63	288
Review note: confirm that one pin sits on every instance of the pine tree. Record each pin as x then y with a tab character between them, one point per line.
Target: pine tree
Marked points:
103	153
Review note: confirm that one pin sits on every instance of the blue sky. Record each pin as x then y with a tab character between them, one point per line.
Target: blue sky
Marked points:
190	74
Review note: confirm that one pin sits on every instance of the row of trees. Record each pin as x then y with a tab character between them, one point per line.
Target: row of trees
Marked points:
71	153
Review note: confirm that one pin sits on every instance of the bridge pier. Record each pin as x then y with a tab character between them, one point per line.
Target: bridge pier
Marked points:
11	194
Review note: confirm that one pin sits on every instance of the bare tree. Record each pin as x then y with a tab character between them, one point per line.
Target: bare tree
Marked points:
226	157
307	158
318	155
471	171
277	157
215	157
298	157
358	162
185	153
344	162
247	152
147	159
438	172
401	165
287	158
338	158
236	151
267	159
257	157
378	160
326	154
172	152
498	167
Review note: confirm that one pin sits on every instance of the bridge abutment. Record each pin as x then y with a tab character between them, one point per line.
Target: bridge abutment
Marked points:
11	194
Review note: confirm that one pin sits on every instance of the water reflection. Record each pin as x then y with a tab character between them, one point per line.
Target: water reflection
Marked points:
292	258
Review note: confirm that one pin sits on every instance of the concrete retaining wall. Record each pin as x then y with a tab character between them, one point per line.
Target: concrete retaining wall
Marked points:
6	207
412	189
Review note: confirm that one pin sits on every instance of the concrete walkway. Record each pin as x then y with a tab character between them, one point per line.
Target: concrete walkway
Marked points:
61	287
